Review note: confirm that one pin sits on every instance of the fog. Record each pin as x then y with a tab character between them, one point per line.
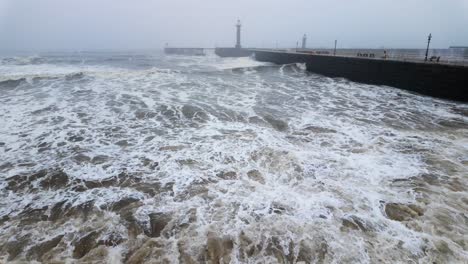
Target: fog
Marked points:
148	24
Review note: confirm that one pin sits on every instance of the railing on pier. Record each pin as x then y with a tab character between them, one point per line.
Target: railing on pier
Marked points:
453	56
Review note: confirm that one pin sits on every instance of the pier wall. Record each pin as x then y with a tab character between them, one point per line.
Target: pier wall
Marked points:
233	52
185	51
437	80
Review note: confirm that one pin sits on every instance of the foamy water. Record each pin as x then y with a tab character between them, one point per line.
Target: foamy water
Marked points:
142	158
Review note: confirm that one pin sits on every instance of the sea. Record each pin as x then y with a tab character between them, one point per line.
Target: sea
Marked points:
140	157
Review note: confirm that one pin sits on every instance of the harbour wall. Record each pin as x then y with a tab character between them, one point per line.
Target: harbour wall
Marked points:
233	52
185	51
433	79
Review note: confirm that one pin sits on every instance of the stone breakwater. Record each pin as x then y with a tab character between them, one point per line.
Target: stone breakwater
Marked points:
433	79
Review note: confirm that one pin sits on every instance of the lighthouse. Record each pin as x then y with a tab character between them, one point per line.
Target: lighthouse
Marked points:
238	39
304	41
236	51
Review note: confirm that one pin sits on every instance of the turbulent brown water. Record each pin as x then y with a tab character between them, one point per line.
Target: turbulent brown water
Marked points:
142	158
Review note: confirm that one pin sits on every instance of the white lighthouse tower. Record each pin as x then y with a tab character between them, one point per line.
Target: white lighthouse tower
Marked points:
238	39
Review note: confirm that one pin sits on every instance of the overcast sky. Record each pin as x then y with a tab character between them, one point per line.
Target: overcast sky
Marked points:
149	24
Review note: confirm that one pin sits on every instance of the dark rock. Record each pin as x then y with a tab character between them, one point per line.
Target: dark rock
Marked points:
36	252
84	244
276	123
158	222
402	212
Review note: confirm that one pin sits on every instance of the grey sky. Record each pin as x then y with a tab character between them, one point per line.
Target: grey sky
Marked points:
148	24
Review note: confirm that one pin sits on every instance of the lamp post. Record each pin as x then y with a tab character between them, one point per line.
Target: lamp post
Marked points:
334	51
428	42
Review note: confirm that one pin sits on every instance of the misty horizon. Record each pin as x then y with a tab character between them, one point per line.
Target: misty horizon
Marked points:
53	25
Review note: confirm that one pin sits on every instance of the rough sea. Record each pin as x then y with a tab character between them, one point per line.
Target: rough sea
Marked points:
139	157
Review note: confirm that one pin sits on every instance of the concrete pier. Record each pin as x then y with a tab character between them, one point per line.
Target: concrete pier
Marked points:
433	79
185	51
233	52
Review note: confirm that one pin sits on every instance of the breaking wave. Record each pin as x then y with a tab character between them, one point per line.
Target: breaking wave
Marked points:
22	60
195	160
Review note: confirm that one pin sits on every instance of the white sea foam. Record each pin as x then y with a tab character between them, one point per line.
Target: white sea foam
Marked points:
300	164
